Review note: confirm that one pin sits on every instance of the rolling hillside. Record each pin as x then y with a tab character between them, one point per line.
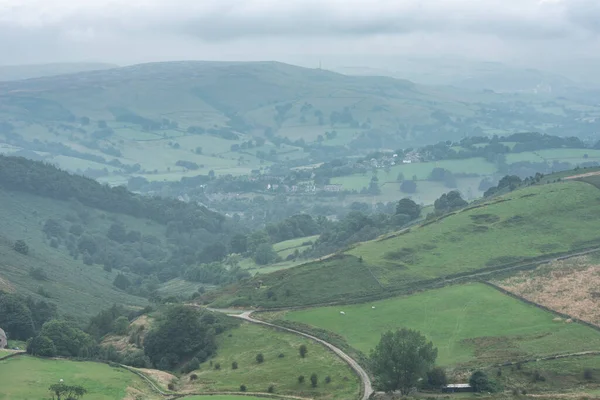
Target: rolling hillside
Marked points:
155	119
85	246
536	222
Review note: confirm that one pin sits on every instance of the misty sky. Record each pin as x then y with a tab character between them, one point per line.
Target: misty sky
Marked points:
359	32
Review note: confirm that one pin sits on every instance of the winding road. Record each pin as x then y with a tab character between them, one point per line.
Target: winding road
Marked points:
367	387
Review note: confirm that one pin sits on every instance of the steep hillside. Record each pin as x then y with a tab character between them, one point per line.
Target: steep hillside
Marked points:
535	222
85	246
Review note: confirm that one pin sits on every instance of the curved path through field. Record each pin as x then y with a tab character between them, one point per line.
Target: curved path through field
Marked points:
367	387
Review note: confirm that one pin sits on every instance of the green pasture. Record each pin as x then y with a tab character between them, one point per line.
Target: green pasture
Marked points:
242	345
24	378
526	223
469	324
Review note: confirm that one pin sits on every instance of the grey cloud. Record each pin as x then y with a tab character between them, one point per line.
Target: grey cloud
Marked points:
230	19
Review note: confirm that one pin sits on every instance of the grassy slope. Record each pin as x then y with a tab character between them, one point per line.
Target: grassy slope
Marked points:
470	323
527	223
248	340
77	289
25	377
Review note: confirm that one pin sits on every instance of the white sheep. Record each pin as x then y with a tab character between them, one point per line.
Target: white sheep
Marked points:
343	313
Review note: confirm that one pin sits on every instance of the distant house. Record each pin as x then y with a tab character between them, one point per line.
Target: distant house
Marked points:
332	188
457	388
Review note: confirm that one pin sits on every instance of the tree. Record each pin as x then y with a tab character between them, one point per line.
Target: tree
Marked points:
69	340
122	282
15	317
120	325
41	346
480	382
400	359
408	187
67	392
314	380
265	254
301	379
436	378
183	332
303	350
408	207
21	247
449	201
260	358
239	244
400	177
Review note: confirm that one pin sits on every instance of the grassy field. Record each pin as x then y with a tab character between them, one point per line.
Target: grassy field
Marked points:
527	223
242	345
421	170
77	289
469	324
24	378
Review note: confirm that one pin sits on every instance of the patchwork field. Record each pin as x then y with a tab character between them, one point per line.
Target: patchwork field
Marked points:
570	286
24	378
470	324
243	344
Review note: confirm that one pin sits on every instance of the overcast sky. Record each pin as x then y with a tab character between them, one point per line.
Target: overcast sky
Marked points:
340	32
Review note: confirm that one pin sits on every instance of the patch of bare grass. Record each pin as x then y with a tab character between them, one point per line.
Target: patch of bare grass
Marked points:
569	286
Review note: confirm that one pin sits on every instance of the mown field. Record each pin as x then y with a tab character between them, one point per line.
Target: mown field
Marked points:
242	345
77	289
471	324
25	378
524	224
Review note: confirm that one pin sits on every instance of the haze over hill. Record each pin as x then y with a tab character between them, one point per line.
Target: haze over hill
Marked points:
329	200
18	72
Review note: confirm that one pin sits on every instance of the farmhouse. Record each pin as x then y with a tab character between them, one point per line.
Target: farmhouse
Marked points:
457	388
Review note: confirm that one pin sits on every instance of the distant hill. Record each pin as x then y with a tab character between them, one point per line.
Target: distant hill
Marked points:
18	72
470	75
525	225
173	119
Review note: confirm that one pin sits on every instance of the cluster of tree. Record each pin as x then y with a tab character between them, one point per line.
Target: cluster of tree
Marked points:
358	227
404	360
46	180
183	333
443	175
62	338
192	166
294	227
215	273
491	148
449	202
21	317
